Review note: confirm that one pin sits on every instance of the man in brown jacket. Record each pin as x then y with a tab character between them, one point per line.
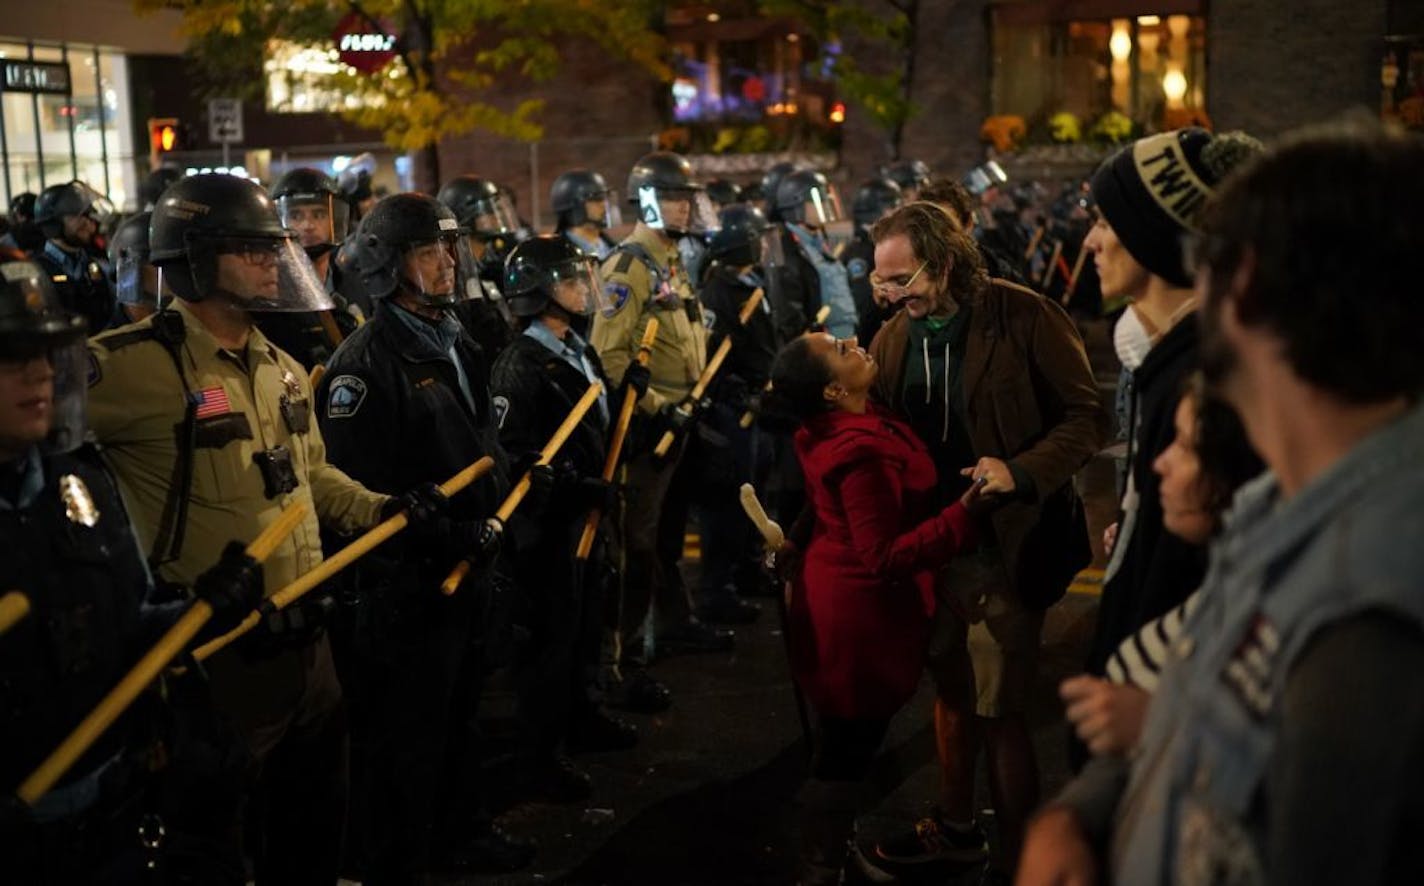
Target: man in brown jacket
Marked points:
996	381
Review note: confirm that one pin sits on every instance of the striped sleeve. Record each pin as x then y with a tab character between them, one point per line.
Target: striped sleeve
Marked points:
1138	659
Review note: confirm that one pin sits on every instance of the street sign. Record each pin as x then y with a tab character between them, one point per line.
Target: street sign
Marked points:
225	120
363	43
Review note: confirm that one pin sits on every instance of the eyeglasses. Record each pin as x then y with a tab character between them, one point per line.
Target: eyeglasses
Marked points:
890	291
253	252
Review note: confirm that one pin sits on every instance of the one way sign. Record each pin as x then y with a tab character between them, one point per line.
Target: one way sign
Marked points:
225	120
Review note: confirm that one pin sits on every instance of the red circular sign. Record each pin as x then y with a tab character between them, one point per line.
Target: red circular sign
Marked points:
363	45
753	89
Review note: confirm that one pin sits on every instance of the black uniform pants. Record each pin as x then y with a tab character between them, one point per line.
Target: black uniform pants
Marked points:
287	708
420	681
730	544
557	671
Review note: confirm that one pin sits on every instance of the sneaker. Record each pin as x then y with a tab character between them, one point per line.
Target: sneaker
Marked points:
932	841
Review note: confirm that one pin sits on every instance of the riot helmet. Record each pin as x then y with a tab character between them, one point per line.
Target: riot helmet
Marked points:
484	210
770	181
805	197
549	271
413	241
158	181
910	175
312	206
73	212
136	280
667	198
982	178
218	236
34	325
741	240
723	193
873	199
22	208
578	191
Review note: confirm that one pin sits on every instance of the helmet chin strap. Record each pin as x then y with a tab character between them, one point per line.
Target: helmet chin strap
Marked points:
427	299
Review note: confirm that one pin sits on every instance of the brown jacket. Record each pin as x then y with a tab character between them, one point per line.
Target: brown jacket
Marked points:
1030	399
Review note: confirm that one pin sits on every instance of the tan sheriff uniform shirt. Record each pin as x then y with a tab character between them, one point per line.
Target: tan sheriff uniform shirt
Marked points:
136	405
680	352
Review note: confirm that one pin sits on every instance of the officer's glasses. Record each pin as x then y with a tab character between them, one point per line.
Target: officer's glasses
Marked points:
258	253
891	291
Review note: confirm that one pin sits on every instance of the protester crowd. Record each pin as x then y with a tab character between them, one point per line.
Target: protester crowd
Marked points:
288	475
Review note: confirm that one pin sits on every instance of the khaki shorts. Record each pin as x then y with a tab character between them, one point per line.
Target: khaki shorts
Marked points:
984	644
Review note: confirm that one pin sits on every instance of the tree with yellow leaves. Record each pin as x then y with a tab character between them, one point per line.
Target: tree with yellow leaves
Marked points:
449	55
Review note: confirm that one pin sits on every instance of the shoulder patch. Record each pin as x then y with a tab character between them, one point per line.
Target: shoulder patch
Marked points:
345	396
501	409
617	296
857	268
94	372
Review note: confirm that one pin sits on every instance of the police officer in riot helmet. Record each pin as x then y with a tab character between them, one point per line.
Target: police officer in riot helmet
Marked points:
311	206
24	236
405	401
874	199
770	181
487	214
71	555
730	561
723	193
812	275
156	182
644	278
585	208
208	428
549	281
910	175
72	216
137	283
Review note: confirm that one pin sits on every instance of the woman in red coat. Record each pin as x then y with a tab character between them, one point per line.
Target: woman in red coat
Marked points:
860	608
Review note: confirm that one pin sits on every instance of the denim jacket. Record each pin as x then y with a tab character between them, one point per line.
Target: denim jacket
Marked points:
1348	543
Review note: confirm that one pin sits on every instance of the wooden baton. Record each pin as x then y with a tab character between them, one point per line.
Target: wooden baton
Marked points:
168	647
708	373
14	606
339	561
770	530
521	489
615	443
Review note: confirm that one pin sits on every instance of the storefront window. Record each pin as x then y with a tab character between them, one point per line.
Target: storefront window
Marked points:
1144	61
53	138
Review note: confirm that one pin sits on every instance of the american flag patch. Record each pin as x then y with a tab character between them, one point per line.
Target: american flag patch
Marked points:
211	401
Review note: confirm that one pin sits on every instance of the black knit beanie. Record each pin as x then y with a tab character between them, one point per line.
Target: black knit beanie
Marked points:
1153	190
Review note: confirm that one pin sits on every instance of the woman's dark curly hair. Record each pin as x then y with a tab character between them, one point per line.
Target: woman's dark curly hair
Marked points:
1226	457
798	382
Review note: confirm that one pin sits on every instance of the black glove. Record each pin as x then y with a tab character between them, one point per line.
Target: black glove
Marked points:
678	417
487	544
542	480
596	492
637	377
233	588
421	504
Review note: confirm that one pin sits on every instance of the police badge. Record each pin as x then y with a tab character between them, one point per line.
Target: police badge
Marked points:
78	503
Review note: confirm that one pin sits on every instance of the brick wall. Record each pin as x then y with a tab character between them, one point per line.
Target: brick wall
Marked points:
1273	66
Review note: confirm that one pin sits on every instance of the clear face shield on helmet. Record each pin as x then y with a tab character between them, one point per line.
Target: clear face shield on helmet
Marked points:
136	282
678	213
98	207
320	221
442	272
59	425
495	217
603	209
258	274
577	287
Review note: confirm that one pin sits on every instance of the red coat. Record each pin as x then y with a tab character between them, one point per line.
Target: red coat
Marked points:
860	613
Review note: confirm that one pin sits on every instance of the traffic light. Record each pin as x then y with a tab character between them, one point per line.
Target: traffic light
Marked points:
165	136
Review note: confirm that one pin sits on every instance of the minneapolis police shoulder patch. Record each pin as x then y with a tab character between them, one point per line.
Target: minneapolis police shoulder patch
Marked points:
501	409
857	268
618	294
347	393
